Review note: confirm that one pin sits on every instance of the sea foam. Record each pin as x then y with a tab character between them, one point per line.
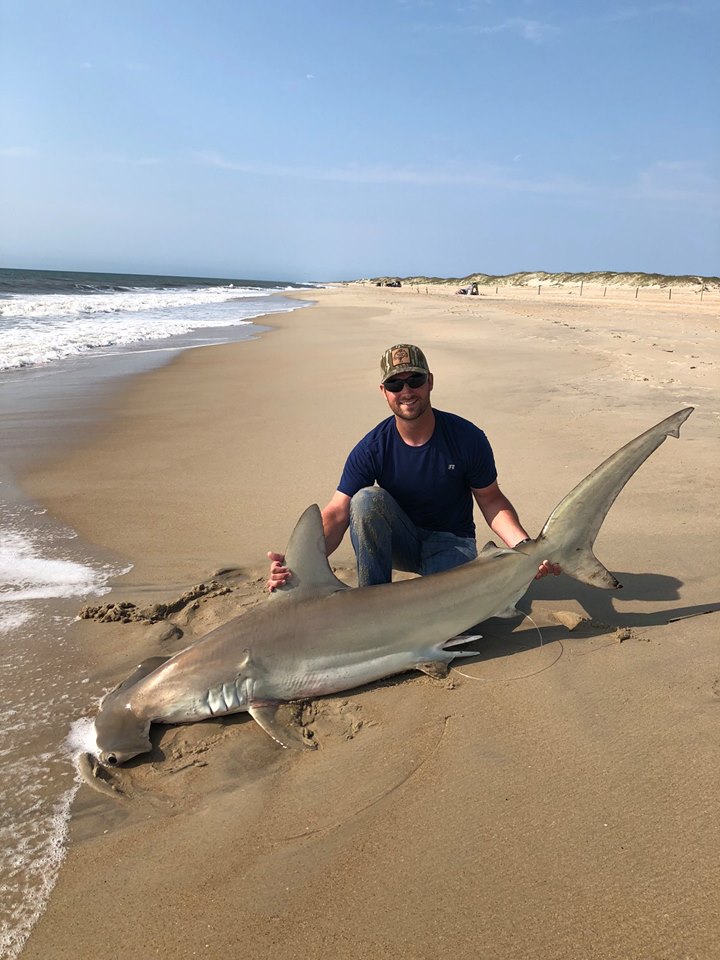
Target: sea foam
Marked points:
42	328
55	305
27	574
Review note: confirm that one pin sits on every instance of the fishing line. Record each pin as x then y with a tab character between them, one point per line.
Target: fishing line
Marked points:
523	676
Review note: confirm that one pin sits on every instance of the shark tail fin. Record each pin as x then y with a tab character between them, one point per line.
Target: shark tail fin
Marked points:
570	531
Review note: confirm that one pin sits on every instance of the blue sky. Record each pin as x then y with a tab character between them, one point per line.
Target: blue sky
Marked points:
320	139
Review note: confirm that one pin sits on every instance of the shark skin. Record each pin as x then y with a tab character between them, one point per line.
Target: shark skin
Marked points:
316	636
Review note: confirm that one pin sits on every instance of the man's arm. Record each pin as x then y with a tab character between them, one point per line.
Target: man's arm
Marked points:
336	520
501	516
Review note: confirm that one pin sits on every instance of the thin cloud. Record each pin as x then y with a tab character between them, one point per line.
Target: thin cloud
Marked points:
662	182
17	152
533	31
681	180
481	176
125	160
624	14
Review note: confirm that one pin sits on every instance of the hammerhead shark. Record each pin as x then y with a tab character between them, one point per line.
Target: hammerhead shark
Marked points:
316	636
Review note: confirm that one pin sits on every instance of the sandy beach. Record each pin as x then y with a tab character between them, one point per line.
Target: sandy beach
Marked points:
555	798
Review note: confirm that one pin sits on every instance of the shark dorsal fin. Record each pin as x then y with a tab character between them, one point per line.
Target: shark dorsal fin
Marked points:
306	558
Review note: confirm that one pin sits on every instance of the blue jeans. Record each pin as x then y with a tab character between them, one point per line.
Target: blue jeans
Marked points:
385	538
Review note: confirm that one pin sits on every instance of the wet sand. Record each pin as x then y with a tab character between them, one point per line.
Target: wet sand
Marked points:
547	801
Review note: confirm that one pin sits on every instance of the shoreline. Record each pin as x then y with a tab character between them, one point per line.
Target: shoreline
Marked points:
47	570
207	462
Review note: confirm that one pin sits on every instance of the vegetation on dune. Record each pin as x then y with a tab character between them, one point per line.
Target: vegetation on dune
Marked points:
533	278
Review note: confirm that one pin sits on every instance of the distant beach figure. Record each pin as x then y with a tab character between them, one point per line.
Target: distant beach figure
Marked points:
471	290
406	491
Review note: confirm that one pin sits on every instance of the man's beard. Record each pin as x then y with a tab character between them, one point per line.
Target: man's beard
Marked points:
412	413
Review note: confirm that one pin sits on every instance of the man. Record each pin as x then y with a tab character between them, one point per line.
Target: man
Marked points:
407	488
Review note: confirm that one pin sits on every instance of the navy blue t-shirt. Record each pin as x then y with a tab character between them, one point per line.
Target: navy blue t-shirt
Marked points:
431	483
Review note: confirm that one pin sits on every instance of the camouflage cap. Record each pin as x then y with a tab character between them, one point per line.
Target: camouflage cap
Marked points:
402	358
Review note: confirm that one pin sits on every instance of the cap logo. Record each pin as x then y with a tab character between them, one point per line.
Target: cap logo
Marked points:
400	356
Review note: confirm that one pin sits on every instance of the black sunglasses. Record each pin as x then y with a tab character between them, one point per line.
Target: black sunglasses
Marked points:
414	381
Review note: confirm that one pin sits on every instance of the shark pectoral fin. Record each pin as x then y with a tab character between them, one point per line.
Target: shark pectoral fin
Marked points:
584	566
265	713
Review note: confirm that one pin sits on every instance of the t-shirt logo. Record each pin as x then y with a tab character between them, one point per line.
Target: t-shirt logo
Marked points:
400	356
451	466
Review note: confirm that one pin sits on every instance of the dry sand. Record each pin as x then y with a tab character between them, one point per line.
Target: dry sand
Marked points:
557	801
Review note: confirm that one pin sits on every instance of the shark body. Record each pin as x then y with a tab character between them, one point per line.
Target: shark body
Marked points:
316	636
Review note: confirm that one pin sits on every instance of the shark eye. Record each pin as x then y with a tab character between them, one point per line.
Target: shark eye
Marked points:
111	759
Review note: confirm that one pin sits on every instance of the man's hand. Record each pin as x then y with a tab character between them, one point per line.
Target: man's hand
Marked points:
279	573
546	567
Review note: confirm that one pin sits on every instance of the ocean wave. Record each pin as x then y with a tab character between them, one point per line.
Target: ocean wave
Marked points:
35	866
44	329
122	300
27	572
41	693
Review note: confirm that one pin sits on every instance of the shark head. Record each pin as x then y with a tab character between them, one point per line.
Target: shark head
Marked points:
120	735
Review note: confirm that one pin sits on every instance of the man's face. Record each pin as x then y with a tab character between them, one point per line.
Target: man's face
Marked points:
411	402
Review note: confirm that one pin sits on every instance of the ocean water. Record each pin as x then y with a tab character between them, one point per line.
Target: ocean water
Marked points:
63	336
47	316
